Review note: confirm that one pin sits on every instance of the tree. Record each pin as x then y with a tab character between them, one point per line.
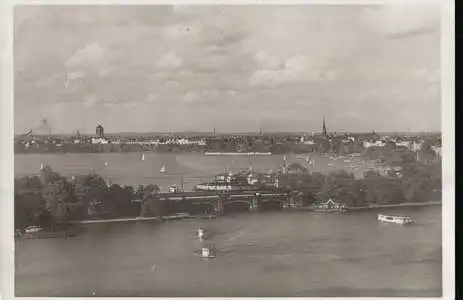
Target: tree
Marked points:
56	195
47	176
151	204
383	190
28	183
27	204
335	182
118	202
91	190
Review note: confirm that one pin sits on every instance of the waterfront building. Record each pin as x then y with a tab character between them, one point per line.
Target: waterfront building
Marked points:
330	205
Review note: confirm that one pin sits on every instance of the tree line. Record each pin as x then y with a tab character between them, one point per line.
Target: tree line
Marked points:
49	198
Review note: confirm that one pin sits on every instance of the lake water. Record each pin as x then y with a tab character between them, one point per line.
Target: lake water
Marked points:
259	254
130	169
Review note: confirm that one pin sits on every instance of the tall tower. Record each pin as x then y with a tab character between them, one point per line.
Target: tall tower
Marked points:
100	131
325	134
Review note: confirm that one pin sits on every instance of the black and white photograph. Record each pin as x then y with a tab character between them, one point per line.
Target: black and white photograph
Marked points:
217	150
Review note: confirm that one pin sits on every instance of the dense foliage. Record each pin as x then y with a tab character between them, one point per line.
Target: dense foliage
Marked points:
418	183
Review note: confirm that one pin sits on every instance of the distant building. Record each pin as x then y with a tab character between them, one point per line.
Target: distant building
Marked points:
324	132
99	140
100	131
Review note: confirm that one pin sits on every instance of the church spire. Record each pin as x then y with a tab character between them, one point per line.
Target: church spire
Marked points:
324	128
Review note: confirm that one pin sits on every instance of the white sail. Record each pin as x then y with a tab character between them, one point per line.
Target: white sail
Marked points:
163	169
42	166
106	163
143	157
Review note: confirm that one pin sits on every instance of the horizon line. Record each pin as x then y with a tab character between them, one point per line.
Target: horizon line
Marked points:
232	133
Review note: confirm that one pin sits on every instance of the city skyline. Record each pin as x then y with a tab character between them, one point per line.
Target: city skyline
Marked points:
235	69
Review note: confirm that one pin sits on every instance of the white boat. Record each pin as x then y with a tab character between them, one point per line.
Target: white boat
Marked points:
163	170
31	229
402	220
143	157
206	253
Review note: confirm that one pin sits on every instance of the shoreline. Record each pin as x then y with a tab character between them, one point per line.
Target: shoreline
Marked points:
133	219
406	204
305	208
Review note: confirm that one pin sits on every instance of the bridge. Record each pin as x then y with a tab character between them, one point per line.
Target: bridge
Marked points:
252	199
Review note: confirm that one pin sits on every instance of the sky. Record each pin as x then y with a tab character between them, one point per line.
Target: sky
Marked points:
233	68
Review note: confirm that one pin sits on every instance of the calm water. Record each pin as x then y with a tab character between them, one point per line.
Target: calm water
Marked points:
130	169
259	254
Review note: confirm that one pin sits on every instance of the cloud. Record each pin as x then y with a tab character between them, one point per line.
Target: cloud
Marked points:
90	100
170	61
233	62
295	69
88	56
402	20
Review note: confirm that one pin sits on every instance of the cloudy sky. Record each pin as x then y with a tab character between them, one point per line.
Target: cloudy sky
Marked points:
235	68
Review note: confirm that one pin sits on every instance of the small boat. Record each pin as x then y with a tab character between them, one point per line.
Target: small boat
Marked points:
106	163
200	233
206	252
143	157
163	170
402	220
31	229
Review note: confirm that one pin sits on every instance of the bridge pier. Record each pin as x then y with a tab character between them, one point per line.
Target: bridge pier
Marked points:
218	206
255	203
292	201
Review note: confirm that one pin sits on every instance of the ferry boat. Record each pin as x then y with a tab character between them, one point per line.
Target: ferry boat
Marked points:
402	220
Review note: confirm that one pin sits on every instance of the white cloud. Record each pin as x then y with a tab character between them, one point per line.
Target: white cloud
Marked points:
400	19
85	57
170	61
90	100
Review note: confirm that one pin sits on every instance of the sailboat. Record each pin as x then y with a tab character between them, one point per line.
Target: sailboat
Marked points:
163	170
106	163
143	157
